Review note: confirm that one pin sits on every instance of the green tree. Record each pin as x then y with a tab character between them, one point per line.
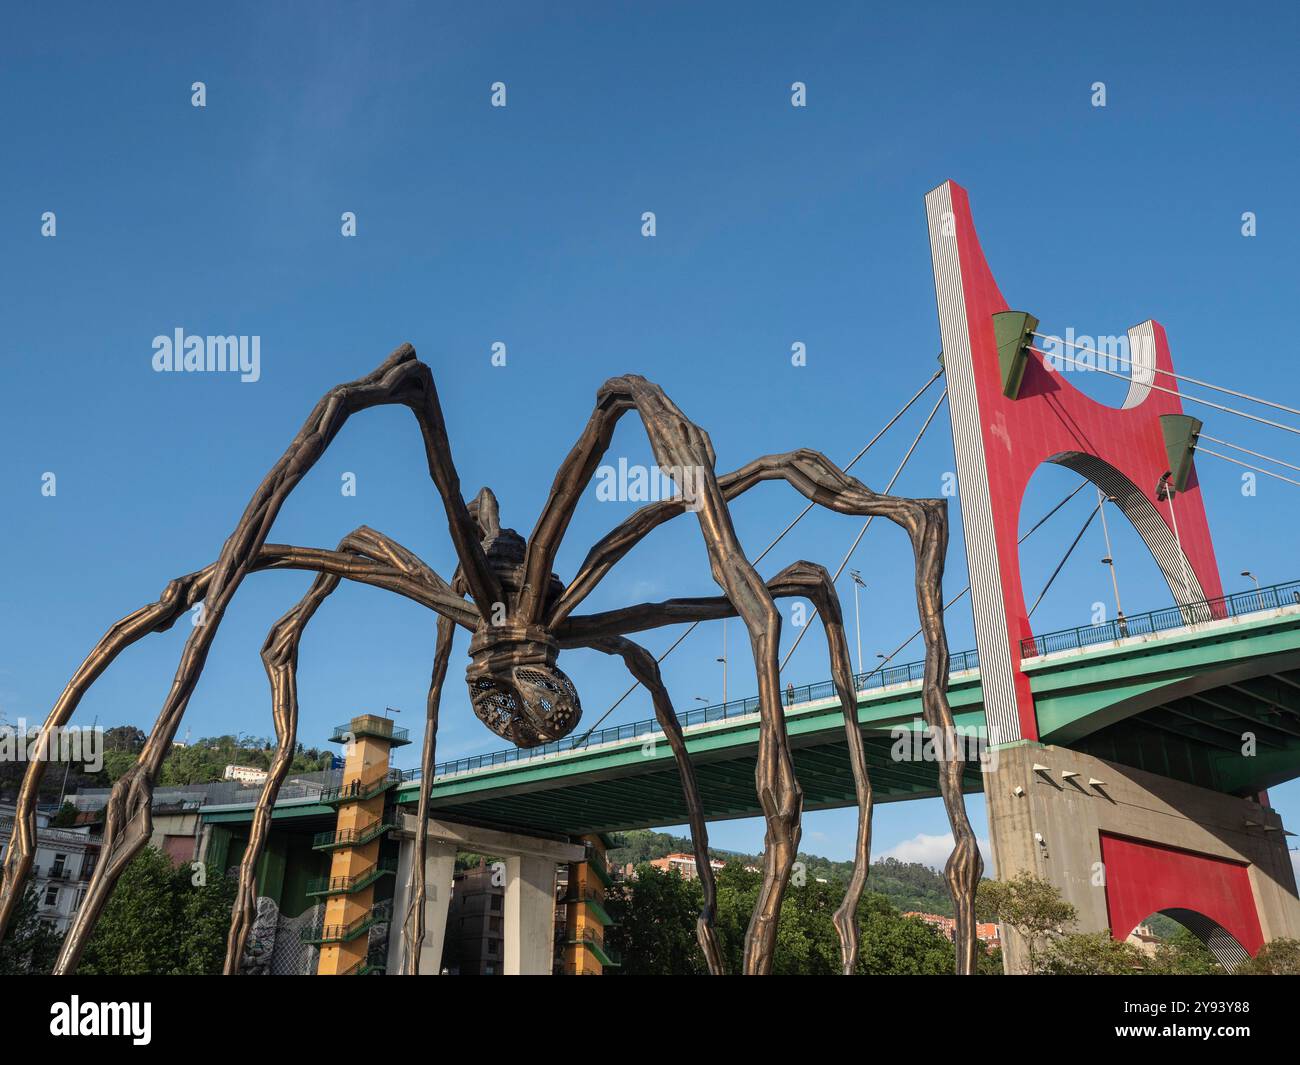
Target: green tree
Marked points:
893	945
158	922
126	738
29	945
655	930
1281	957
1030	906
807	943
1090	954
115	764
1182	954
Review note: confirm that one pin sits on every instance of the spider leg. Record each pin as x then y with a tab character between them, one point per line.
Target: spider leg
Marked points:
926	523
642	665
413	926
684	450
280	658
414	580
820	589
400	379
800	579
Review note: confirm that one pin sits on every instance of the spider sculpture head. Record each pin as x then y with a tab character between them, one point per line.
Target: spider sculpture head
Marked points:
515	687
503	591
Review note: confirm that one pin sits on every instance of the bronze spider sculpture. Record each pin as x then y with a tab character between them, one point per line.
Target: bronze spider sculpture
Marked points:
521	617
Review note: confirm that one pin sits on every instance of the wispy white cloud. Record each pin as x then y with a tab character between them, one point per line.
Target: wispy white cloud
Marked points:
934	850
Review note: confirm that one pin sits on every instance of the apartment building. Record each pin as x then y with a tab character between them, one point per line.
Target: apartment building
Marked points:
65	859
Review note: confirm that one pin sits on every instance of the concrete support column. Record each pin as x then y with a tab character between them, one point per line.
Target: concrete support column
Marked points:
439	869
529	916
1056	813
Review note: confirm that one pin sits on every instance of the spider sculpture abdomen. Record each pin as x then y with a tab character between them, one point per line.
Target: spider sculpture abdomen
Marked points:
520	614
515	687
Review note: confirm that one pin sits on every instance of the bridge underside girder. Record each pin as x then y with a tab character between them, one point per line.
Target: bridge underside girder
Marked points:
645	800
1240	736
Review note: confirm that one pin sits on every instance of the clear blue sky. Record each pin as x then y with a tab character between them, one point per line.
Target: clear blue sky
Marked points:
523	225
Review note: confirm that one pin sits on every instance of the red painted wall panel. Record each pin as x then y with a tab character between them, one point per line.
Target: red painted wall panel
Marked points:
1143	878
1051	417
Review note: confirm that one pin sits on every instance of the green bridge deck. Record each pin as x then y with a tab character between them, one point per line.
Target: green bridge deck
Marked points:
1184	703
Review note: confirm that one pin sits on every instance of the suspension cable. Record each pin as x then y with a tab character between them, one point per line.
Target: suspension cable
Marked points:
779	537
1238	447
1172	392
1068	552
1257	469
1170	373
867	524
1033	529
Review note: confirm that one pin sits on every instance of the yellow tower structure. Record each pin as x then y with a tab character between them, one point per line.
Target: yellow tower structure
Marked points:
355	866
585	951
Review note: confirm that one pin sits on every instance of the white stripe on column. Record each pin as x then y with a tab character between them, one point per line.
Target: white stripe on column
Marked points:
987	597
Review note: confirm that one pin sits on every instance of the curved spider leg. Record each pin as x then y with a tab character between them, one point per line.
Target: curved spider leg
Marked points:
926	523
684	450
179	596
280	658
400	379
413	926
799	579
483	508
642	665
820	589
965	866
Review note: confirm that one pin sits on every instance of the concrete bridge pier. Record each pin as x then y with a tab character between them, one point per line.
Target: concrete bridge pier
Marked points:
1121	844
529	908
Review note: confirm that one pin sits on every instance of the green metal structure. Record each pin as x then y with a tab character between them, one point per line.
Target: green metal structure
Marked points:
1215	704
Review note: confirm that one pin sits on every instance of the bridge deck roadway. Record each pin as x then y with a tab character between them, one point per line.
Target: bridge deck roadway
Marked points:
1215	704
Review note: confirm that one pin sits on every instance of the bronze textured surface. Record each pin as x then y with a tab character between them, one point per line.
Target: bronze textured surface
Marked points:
520	616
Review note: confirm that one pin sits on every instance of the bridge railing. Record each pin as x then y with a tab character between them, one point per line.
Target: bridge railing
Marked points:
908	672
1269	597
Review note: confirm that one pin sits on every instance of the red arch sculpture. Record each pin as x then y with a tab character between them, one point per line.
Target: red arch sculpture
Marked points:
1011	412
1209	895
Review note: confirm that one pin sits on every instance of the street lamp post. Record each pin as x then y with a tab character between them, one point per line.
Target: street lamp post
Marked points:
723	660
857	615
1166	491
1109	560
1247	573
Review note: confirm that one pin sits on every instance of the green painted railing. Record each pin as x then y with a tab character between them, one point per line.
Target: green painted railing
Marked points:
356	837
592	901
1269	597
344	733
606	955
880	677
375	962
350	885
345	933
355	791
597	862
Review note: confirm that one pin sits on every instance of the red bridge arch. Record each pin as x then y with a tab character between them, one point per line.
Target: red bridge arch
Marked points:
1001	439
1210	896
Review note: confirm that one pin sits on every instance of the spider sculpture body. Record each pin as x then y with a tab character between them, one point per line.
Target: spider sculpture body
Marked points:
521	616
